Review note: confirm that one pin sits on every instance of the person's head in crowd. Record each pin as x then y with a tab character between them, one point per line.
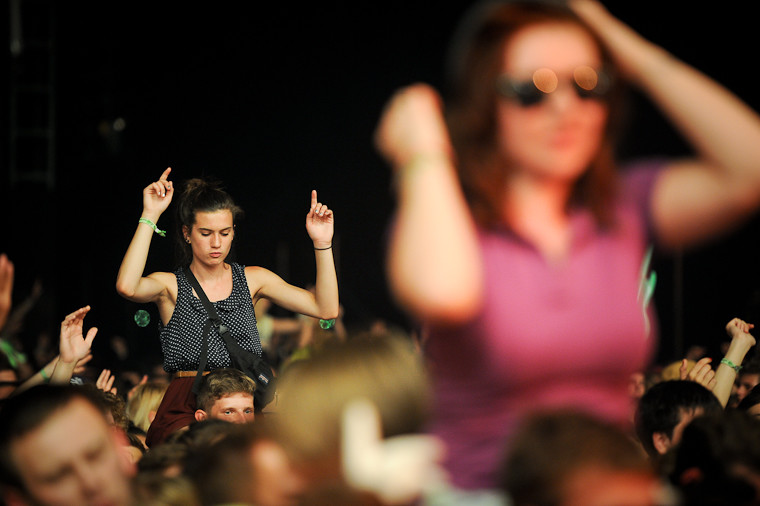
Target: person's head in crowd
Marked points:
157	490
226	394
748	377
248	466
484	136
166	459
113	406
640	382
203	196
144	402
666	408
135	448
314	392
672	371
57	447
202	433
569	458
137	433
717	461
116	409
751	402
222	470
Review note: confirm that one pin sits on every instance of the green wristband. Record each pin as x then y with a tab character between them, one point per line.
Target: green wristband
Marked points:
152	225
730	364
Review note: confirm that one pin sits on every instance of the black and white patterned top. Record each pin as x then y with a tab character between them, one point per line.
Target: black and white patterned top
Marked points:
181	337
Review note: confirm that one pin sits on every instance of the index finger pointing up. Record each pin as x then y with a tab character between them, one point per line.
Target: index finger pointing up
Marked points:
313	198
165	175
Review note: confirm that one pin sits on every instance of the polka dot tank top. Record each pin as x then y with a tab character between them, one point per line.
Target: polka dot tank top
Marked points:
181	338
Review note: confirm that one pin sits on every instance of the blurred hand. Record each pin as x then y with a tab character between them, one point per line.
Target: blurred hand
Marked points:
412	124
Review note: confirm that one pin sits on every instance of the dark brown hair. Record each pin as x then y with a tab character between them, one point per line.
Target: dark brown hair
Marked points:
205	196
550	445
475	62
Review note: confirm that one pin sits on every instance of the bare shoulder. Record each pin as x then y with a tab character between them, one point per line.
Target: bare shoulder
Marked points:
254	271
257	277
256	274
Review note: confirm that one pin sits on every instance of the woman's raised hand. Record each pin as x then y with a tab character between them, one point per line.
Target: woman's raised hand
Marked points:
157	196
412	124
319	223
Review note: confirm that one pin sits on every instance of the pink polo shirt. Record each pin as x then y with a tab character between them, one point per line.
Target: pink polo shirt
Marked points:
547	336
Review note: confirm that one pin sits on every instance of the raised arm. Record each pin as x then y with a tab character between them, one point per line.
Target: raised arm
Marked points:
741	342
321	229
694	199
324	301
46	372
433	260
130	282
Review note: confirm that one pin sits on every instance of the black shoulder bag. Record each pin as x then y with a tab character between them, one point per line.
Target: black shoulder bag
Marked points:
247	361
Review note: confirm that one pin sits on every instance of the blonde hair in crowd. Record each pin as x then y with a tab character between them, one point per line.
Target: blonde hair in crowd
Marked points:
145	399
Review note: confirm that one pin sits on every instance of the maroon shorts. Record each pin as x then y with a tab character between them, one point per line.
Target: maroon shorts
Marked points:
177	410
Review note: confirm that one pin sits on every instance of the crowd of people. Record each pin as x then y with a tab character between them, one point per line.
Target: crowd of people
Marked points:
350	425
519	246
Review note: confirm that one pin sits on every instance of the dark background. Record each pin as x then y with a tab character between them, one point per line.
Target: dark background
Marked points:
275	99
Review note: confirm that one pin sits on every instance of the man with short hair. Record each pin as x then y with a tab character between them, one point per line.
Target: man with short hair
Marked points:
226	394
57	448
666	408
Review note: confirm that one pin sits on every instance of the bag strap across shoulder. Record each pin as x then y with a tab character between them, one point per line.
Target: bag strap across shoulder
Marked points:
213	320
240	358
210	309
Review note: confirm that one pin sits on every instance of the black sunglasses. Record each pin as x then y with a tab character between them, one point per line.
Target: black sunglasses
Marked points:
587	82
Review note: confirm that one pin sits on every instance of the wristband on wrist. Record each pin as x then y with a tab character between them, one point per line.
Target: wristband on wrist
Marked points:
152	225
44	375
322	249
327	324
730	364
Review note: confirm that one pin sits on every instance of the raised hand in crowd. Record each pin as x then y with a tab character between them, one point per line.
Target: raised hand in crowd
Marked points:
105	381
721	380
74	345
702	372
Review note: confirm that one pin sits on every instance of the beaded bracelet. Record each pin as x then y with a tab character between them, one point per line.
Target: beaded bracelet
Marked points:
152	225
